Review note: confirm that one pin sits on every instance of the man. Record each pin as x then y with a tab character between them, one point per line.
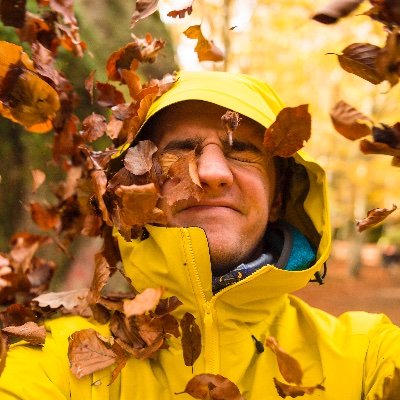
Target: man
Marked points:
232	257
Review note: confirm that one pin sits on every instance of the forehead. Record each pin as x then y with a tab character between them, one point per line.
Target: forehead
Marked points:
187	119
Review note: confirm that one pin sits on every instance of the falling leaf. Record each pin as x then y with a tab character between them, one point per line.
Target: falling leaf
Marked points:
349	122
289	367
368	147
388	58
88	353
30	332
360	59
139	205
143	302
374	216
185	178
13	12
191	339
68	300
167	305
139	159
212	387
45	217
387	134
391	387
335	10
94	127
144	8
3	352
181	13
387	12
38	178
99	180
230	122
288	133
89	85
285	390
108	95
101	275
206	49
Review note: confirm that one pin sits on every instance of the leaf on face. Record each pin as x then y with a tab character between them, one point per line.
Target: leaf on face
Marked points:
143	302
144	8
391	386
191	339
30	332
285	390
388	58
181	13
373	217
335	10
45	217
94	127
212	387
88	353
184	175
68	300
289	131
349	122
206	49
288	365
360	59
108	95
230	122
139	205
139	159
13	12
38	177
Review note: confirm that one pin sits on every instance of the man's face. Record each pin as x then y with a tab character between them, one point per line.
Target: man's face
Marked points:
238	181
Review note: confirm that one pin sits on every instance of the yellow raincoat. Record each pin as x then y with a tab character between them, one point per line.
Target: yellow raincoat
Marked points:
351	354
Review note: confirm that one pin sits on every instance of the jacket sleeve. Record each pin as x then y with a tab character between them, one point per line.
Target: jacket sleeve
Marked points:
382	359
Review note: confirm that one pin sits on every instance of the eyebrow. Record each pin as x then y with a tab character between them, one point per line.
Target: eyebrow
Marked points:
192	143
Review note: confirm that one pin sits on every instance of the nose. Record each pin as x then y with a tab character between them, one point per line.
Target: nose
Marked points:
213	168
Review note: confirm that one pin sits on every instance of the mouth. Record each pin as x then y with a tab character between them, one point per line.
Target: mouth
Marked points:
209	207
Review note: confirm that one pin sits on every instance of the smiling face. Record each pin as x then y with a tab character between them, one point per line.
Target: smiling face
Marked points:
238	180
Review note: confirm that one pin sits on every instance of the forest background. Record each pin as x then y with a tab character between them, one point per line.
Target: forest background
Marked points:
275	41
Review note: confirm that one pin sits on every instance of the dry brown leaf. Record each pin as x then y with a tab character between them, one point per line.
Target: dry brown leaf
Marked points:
230	122
108	95
30	332
139	205
212	387
38	179
3	352
166	306
144	8
139	159
206	49
101	275
88	352
289	131
181	13
388	58
13	12
45	217
333	11
374	216
349	122
288	366
191	339
387	12
387	134
68	300
94	127
99	180
184	174
143	302
368	147
285	390
360	59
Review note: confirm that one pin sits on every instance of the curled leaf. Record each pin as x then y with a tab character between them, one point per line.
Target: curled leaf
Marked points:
374	216
333	11
144	8
67	299
349	122
230	122
284	390
139	159
30	332
191	339
289	131
180	13
143	302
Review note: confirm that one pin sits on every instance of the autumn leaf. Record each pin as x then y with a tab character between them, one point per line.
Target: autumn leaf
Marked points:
230	122
144	8
289	367
139	159
333	11
391	387
349	122
30	332
45	217
285	390
388	58
289	131
38	177
90	84
101	275
108	95
181	13
13	12
387	12
99	180
368	147
68	300
3	352
212	387
206	49
167	305
88	352
374	216
94	127
191	339
143	302
387	134
360	59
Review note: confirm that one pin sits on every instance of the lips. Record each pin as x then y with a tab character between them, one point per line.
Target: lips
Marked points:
208	205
